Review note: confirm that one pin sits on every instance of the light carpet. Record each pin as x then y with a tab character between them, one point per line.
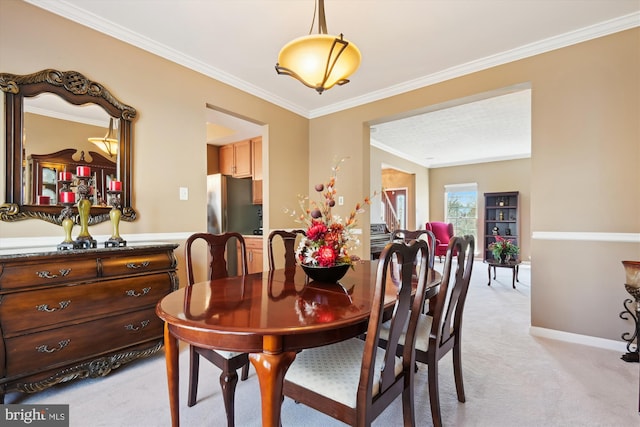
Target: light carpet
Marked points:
511	379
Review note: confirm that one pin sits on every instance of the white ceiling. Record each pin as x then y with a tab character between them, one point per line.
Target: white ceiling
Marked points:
473	131
405	44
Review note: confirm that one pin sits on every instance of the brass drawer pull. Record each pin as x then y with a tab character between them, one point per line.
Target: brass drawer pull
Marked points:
131	327
45	307
45	349
48	275
133	293
134	266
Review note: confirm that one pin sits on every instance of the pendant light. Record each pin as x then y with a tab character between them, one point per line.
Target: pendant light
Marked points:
108	144
319	61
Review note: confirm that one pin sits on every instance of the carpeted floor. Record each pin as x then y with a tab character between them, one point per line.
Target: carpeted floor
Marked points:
511	379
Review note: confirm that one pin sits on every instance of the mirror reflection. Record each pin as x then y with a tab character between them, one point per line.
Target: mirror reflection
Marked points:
58	137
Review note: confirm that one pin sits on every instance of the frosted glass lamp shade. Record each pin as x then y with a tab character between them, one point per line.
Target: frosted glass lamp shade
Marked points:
319	61
108	145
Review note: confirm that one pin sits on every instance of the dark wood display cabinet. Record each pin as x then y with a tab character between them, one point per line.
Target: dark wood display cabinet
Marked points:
79	313
501	217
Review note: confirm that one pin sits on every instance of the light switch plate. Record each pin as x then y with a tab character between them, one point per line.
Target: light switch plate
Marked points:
184	193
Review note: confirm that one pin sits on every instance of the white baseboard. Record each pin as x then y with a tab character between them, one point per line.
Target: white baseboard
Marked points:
578	339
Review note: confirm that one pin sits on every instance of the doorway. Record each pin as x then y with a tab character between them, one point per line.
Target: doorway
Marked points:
472	139
396	208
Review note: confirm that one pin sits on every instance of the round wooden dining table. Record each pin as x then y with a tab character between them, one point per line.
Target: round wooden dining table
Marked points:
270	315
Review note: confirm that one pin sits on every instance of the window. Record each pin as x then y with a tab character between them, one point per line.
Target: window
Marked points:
461	208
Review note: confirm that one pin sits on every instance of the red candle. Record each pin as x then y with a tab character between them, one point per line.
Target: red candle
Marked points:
115	186
67	197
44	200
83	171
65	176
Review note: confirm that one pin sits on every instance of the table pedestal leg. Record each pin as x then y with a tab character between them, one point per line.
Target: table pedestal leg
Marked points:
173	380
271	369
489	284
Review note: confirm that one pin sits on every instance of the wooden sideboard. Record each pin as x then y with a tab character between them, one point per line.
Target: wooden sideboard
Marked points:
79	313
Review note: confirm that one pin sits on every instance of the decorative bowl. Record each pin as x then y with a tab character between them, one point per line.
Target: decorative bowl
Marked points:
326	274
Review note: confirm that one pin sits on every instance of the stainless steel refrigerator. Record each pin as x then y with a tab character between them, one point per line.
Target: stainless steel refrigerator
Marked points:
230	207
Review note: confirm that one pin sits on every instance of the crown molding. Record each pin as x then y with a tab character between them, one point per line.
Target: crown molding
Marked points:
82	17
95	22
584	34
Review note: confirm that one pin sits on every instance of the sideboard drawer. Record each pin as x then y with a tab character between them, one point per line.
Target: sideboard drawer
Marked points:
48	307
79	313
123	266
20	275
32	352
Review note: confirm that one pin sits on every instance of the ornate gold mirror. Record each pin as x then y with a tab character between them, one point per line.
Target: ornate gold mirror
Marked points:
48	116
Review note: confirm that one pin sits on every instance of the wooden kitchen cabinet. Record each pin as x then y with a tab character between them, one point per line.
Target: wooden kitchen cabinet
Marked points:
256	192
256	184
236	159
253	245
74	314
256	147
225	159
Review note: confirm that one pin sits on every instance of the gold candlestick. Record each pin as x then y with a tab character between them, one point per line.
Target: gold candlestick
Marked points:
84	239
67	226
115	214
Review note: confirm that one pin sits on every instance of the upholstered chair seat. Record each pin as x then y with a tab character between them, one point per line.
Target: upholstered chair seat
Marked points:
334	370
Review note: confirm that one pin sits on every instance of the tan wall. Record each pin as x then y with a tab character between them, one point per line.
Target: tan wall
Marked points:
584	170
508	175
584	165
170	149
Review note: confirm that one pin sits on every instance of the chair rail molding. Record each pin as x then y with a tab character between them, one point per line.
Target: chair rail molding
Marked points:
587	236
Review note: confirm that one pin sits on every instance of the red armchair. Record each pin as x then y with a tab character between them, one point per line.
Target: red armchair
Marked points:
443	232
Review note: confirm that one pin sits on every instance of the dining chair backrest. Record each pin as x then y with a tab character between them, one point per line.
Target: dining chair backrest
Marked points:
398	259
289	242
217	254
447	316
408	235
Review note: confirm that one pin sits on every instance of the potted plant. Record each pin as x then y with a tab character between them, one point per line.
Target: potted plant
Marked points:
504	249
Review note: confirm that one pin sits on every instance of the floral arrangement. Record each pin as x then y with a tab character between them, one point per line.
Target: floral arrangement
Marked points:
505	247
328	240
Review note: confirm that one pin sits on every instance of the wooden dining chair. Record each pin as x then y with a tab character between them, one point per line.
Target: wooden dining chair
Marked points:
408	235
354	380
440	331
289	242
229	362
430	238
